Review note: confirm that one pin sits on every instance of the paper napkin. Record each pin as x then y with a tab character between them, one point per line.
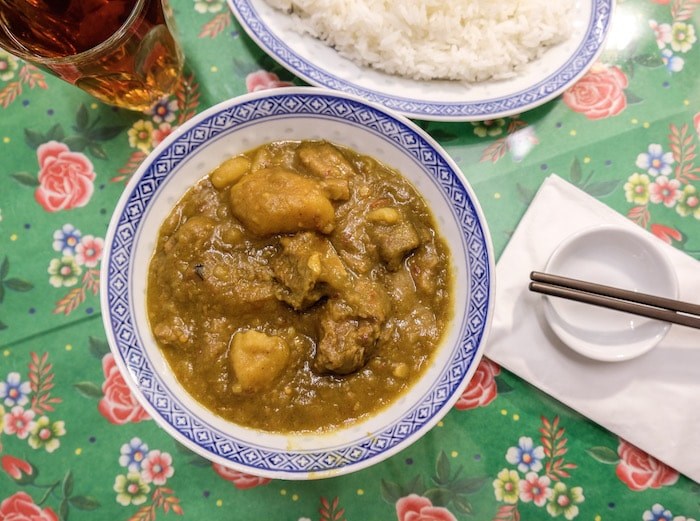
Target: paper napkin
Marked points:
651	401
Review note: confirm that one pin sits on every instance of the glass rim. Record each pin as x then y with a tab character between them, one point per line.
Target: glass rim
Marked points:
114	40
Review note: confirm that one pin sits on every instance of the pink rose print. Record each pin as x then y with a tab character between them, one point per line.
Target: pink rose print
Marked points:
639	471
65	177
418	508
599	94
157	467
21	507
261	80
482	389
118	405
240	480
696	123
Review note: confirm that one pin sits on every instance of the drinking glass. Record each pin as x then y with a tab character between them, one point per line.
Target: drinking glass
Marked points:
123	52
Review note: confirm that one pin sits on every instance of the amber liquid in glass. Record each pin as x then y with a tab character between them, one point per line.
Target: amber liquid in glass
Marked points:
121	51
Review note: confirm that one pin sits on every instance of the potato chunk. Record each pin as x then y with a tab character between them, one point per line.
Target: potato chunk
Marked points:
229	172
277	200
257	359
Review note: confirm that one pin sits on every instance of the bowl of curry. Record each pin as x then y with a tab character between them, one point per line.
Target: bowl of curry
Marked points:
297	283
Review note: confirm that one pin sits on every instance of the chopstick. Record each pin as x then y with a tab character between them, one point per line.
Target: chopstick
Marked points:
650	306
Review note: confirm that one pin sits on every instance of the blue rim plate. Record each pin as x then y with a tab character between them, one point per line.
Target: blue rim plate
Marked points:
189	154
539	82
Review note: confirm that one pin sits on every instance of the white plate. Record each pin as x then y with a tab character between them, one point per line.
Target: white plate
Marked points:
541	80
613	256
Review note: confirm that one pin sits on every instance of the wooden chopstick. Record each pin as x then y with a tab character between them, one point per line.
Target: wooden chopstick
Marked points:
650	306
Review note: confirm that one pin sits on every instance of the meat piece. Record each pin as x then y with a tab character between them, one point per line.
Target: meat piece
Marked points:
325	161
402	289
346	341
394	242
425	269
308	268
236	280
257	359
368	299
277	200
350	327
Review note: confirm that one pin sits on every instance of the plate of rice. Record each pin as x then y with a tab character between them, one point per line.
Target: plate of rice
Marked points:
473	60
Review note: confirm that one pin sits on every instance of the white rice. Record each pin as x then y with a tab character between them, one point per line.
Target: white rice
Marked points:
469	40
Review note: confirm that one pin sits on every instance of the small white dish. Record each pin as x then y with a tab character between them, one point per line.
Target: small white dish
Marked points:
615	256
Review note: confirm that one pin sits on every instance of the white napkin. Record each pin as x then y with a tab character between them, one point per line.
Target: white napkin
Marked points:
650	401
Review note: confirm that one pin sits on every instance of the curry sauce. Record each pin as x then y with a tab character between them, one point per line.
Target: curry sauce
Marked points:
300	286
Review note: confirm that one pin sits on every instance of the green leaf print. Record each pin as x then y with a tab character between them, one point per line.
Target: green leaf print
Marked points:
58	494
89	389
468	485
448	488
442	469
4	268
602	188
391	492
68	484
16	284
439	496
585	183
98	347
88	136
33	139
462	505
84	502
77	143
55	133
82	118
26	179
575	172
64	509
502	386
11	283
604	455
649	60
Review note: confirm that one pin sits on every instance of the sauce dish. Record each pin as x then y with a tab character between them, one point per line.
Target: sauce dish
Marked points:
614	256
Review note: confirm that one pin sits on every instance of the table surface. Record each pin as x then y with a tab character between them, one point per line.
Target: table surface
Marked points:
75	445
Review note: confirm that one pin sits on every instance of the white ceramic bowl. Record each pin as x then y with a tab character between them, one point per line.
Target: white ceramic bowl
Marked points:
614	256
191	153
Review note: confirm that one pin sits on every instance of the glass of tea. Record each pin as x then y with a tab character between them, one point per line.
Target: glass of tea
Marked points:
123	52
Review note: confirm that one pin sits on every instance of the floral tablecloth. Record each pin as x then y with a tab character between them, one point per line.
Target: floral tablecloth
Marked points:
74	444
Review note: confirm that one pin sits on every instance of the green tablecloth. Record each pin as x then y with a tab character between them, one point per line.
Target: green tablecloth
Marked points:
75	445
